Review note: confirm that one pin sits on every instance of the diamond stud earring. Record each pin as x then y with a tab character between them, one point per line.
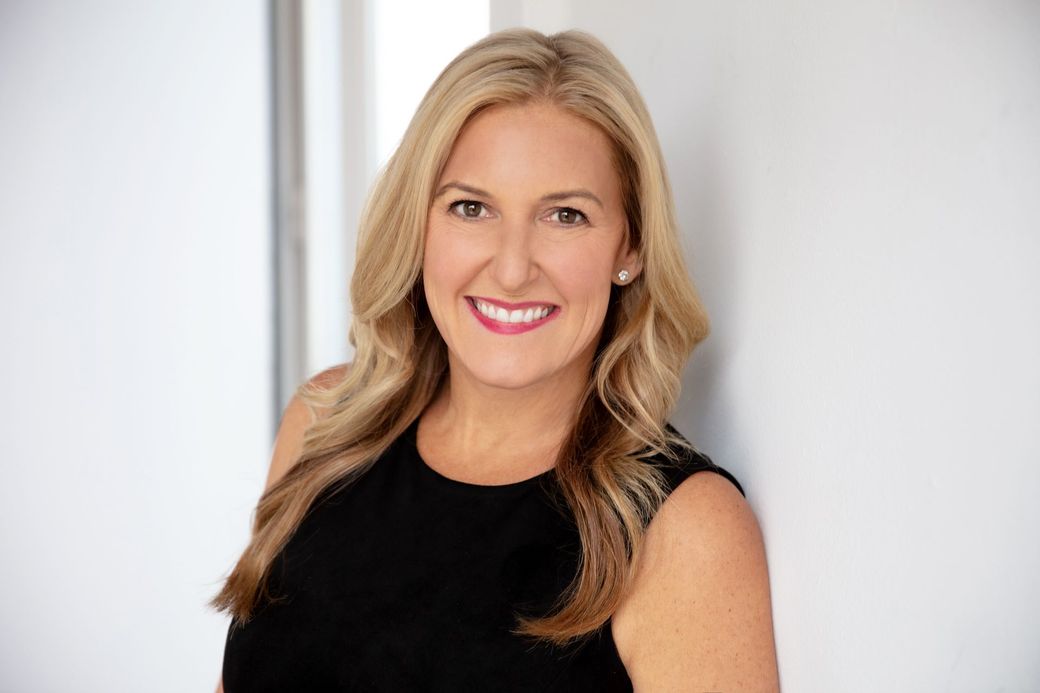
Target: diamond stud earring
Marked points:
622	276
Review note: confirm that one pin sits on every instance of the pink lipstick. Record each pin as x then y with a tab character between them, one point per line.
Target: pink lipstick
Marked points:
500	327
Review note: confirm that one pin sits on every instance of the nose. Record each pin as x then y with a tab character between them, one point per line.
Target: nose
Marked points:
513	266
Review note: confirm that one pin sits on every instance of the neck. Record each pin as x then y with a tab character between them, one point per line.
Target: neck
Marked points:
532	420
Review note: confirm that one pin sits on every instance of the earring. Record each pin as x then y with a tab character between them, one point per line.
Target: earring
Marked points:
622	276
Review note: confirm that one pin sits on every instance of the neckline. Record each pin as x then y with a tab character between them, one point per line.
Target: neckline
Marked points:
410	438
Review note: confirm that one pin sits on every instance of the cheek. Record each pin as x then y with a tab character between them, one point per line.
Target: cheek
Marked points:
583	280
450	261
435	260
441	258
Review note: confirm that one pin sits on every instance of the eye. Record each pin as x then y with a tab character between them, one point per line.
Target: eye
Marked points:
470	209
568	216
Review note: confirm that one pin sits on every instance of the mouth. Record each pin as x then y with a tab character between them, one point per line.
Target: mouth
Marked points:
511	318
513	314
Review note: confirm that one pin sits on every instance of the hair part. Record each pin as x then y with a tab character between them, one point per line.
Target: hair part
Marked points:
652	326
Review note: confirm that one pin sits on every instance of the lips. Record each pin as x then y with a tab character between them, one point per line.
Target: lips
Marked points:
504	317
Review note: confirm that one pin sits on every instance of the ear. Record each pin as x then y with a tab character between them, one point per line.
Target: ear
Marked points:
627	259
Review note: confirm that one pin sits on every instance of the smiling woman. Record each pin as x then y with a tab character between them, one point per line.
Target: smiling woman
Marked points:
490	496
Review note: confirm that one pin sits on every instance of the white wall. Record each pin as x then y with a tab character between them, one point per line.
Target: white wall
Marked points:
858	190
136	360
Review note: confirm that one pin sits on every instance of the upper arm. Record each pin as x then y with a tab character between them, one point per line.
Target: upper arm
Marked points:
698	615
296	419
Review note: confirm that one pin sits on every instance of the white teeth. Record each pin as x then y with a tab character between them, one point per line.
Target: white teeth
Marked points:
515	316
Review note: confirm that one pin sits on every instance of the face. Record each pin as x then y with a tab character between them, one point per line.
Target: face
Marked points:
526	233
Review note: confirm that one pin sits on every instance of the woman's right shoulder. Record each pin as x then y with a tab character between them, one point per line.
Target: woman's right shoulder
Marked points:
296	419
330	377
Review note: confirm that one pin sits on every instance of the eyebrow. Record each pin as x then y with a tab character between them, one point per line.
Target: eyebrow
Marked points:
551	197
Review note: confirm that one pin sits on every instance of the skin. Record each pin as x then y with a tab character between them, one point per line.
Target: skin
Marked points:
698	615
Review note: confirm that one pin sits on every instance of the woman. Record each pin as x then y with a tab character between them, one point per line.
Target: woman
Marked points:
478	501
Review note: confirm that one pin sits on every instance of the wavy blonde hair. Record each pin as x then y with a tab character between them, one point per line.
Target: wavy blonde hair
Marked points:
651	328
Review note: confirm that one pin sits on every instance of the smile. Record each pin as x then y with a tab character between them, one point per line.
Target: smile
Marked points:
506	318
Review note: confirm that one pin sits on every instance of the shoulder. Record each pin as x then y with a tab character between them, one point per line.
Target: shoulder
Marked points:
330	377
296	419
698	612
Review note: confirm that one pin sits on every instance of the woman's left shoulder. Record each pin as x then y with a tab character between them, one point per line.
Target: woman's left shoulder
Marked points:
707	515
699	610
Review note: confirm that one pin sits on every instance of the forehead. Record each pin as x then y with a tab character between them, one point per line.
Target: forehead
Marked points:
532	147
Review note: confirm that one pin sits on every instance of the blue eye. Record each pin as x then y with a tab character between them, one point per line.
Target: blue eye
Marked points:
568	216
466	206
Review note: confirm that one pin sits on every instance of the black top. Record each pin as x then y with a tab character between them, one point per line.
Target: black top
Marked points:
407	580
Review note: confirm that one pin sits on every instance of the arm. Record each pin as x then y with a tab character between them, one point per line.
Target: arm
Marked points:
698	616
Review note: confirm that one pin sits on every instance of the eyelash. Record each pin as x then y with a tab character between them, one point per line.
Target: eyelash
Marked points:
584	218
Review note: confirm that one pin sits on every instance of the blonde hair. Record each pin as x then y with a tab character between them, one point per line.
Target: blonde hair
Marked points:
651	328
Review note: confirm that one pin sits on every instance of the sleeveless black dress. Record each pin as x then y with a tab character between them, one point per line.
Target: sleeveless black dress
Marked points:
407	580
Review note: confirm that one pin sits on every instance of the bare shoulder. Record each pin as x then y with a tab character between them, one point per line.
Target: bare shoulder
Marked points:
296	419
698	615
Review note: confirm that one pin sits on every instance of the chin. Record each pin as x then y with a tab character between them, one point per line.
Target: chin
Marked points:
506	376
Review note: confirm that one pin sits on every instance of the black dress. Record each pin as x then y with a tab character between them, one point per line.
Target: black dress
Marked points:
407	580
